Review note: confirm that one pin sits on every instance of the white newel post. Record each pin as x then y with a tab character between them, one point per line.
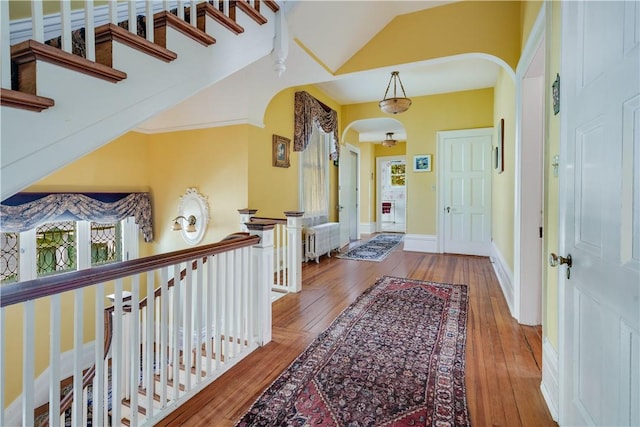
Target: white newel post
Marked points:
294	249
262	265
245	216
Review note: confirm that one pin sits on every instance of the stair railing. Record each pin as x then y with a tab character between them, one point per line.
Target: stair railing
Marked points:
287	248
228	296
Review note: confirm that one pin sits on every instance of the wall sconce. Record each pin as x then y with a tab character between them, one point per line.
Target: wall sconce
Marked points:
193	209
191	224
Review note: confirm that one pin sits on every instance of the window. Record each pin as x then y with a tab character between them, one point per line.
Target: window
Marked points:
314	178
398	174
9	257
57	247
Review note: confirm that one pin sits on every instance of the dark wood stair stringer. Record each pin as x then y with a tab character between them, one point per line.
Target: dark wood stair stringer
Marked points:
253	13
25	55
108	33
163	20
24	101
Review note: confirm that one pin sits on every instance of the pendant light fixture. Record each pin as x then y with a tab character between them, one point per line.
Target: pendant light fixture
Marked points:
396	104
389	142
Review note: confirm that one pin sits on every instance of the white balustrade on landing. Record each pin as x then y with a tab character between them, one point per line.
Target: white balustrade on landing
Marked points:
168	338
287	248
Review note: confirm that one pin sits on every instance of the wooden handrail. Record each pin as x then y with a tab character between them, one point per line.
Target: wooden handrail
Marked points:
16	293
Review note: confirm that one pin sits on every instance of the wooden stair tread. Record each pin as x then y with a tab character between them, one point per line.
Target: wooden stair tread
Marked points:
272	5
251	12
111	32
25	101
221	18
31	50
167	19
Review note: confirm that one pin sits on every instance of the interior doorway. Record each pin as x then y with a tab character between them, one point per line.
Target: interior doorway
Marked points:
529	210
349	195
391	206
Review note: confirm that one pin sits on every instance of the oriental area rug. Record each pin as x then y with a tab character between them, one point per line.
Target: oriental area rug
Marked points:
395	357
375	249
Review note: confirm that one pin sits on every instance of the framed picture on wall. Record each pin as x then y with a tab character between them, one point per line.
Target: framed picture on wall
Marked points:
280	151
422	163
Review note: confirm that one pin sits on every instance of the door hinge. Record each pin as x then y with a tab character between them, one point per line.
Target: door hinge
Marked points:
540	229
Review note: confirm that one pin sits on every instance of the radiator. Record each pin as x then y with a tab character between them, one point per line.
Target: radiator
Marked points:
321	239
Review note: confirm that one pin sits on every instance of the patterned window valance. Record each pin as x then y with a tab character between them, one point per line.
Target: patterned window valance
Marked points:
25	211
308	111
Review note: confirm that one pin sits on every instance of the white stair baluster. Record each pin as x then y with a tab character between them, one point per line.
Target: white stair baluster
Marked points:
134	348
89	33
193	16
187	325
98	379
116	355
209	315
54	360
78	335
37	21
199	307
113	11
65	26
221	309
150	345
164	338
215	295
180	9
28	352
176	328
5	71
132	19
149	21
229	306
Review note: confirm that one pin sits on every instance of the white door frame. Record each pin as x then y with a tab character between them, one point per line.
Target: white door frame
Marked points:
440	177
344	167
379	161
528	258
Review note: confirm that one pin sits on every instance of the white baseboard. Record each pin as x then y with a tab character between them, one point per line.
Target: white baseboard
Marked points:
13	413
420	243
505	276
367	227
550	387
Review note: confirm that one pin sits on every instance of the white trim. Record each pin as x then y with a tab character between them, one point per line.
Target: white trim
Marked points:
205	125
420	243
504	275
536	37
549	386
367	227
379	161
13	413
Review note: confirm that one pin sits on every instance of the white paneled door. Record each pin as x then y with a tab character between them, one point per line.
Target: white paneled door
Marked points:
465	225
599	343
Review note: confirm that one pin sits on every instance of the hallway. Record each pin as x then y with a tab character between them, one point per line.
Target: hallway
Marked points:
503	362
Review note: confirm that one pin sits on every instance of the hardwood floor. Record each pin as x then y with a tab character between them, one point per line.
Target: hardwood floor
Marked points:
503	361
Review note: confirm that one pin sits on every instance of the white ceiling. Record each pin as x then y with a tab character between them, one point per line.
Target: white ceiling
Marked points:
334	31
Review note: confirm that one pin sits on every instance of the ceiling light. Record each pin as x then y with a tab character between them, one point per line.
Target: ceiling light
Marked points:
396	104
389	142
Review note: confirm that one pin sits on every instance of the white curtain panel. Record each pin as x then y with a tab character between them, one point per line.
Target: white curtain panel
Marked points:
315	178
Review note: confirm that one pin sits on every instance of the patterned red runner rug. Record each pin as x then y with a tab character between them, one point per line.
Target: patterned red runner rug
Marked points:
395	357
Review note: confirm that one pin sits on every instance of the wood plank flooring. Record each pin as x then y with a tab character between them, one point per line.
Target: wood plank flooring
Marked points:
503	361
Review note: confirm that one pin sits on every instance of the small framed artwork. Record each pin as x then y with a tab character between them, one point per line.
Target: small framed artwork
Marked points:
422	163
281	151
555	94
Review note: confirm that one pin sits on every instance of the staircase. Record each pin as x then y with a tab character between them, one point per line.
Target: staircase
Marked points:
57	106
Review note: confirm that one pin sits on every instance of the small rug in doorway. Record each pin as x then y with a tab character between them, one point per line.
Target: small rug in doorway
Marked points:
395	357
375	249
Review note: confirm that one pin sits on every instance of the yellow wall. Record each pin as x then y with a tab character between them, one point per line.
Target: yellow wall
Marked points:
214	161
530	11
491	27
503	184
273	190
427	116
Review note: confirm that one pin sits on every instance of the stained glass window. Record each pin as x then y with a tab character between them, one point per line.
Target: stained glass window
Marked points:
106	243
9	257
56	248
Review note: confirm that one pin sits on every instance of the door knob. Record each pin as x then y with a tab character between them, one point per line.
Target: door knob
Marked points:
555	260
